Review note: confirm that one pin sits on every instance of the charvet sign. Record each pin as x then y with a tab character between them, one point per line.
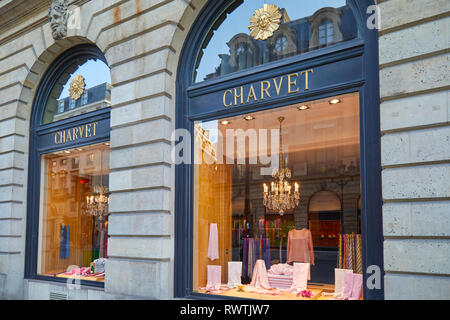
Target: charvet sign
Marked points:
76	133
290	84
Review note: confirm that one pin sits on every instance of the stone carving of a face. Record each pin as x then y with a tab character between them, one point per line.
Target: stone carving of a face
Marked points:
58	15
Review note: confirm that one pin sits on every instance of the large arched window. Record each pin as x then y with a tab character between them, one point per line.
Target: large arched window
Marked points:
266	137
69	169
216	49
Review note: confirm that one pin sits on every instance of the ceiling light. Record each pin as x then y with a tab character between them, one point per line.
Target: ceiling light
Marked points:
303	107
225	122
249	117
334	101
79	149
67	151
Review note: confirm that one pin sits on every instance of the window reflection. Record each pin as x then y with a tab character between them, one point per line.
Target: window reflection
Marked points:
315	24
92	93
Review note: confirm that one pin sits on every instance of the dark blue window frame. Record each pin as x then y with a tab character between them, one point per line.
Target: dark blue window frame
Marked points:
39	145
355	66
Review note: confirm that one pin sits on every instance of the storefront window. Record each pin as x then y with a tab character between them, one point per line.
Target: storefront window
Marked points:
73	232
303	28
68	192
250	227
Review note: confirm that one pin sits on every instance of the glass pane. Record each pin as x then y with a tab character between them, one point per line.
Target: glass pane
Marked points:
294	217
73	234
83	87
229	47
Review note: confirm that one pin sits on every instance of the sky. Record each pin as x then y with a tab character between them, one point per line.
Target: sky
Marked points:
239	20
93	72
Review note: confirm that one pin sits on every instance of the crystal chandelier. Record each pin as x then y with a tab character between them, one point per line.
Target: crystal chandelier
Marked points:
97	206
280	197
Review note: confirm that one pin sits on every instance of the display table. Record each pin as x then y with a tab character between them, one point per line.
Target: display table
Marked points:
87	278
273	294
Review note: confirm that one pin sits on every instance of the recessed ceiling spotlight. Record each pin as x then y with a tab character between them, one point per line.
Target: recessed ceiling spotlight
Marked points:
106	143
249	117
225	122
67	151
79	149
303	107
334	101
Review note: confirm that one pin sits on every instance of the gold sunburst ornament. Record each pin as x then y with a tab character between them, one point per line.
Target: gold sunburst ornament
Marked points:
265	22
76	87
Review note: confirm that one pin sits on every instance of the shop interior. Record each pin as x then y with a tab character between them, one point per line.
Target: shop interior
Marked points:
74	213
290	232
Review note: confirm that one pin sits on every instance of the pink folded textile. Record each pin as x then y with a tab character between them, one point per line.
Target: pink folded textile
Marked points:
214	278
280	281
213	243
260	278
234	273
80	271
339	281
300	277
348	285
281	268
357	287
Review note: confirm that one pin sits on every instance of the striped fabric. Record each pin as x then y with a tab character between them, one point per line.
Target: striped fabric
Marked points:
280	281
350	252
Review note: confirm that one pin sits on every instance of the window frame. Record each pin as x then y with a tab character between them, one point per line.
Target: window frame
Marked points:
37	148
365	47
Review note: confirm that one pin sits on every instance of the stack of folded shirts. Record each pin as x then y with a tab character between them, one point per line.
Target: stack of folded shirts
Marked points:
280	281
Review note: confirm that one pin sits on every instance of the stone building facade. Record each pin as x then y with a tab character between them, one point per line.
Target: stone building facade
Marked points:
142	40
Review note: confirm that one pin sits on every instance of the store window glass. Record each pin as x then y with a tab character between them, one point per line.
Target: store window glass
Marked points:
83	87
73	213
257	224
232	46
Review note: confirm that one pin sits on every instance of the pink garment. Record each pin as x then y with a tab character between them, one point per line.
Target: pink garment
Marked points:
214	278
357	287
80	271
281	268
213	244
339	281
348	285
300	246
280	281
234	273
260	278
300	277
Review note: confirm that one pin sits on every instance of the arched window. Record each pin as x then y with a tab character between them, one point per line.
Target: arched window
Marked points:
69	169
326	120
217	48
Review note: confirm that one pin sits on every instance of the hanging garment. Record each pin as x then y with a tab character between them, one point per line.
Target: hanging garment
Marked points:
234	273
254	249
300	246
300	277
350	252
64	245
260	279
214	278
339	281
213	244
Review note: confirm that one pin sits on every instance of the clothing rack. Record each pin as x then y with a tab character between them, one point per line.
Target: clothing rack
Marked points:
254	249
350	252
